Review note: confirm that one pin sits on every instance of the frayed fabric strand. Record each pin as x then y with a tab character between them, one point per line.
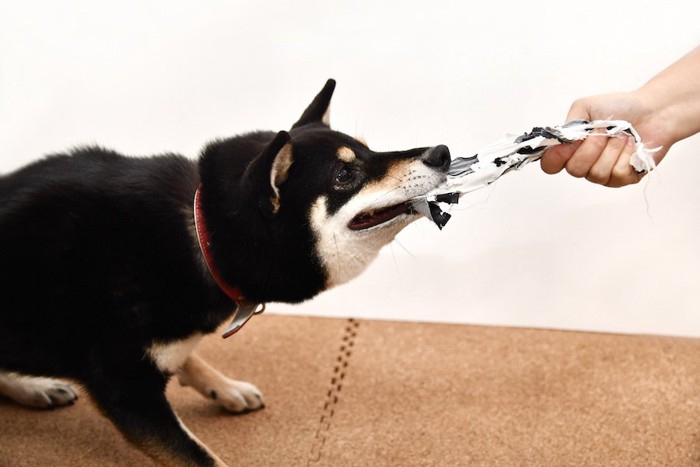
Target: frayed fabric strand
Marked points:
467	174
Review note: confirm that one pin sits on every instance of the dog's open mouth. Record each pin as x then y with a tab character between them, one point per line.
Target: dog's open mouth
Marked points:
368	219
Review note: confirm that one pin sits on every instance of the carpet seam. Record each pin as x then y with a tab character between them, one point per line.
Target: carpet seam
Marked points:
342	361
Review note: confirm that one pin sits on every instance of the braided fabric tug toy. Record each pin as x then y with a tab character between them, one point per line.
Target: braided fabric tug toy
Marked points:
467	174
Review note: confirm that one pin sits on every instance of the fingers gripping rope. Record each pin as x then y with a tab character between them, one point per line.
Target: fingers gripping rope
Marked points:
467	174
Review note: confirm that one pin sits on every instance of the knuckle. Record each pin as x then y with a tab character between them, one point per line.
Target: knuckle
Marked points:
614	183
598	176
575	170
624	177
620	172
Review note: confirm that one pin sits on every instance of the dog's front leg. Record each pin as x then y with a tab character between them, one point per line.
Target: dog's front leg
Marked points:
235	396
133	397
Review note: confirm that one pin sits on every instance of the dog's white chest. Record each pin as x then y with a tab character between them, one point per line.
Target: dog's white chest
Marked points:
170	356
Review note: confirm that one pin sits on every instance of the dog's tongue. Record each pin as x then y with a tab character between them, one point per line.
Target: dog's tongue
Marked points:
366	220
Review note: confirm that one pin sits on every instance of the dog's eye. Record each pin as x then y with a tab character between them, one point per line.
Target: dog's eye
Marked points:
345	175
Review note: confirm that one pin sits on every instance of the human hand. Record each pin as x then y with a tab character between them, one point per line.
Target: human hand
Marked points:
604	160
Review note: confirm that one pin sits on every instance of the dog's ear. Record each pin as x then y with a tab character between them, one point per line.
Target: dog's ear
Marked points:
319	109
269	170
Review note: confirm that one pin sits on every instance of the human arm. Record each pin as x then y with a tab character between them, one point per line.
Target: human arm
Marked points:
664	111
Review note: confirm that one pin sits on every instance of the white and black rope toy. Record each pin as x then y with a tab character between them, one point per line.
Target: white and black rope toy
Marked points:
467	174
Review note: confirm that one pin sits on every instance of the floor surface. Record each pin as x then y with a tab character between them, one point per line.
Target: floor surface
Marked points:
345	392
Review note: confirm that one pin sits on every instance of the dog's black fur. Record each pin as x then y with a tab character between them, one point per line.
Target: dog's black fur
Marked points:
98	259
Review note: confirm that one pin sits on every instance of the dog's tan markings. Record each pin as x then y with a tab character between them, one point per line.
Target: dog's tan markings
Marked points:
346	155
278	174
398	171
398	175
280	167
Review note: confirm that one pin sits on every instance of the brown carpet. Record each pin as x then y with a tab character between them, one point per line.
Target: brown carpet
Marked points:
352	393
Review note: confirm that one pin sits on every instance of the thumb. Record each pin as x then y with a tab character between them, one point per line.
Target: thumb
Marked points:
579	111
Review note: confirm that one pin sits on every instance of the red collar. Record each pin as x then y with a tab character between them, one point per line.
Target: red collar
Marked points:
244	309
234	293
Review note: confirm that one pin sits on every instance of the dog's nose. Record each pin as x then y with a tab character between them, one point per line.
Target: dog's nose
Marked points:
438	157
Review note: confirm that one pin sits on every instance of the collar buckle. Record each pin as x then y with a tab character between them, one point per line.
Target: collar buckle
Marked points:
244	311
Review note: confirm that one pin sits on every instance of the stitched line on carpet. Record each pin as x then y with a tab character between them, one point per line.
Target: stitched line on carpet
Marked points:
333	394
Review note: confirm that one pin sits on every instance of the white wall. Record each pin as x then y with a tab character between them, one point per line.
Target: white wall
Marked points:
534	250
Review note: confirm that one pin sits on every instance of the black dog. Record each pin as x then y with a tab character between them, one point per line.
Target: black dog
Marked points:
104	281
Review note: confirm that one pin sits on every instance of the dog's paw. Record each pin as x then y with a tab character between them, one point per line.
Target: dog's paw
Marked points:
236	396
44	393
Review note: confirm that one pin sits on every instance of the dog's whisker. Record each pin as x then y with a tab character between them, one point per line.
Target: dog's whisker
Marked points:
396	240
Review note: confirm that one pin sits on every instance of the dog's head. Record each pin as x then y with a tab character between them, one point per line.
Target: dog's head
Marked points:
303	210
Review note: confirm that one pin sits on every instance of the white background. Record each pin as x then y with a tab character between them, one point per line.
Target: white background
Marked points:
534	250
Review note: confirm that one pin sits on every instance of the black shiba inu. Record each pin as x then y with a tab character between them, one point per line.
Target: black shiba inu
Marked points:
104	281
